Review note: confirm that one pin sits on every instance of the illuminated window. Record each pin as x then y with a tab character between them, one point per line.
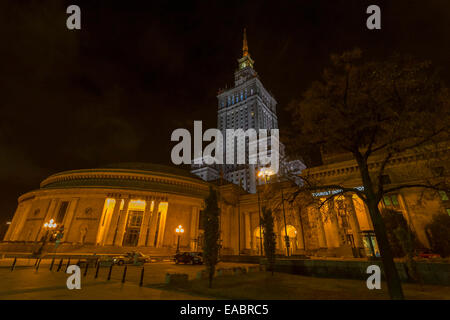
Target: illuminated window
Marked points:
444	196
391	200
394	200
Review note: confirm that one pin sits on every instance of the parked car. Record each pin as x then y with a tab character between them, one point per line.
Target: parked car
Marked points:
189	257
131	258
428	254
89	260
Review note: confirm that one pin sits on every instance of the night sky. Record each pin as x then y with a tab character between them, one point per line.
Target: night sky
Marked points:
116	89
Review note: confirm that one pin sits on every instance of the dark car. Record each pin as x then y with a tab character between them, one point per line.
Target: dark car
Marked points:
428	254
131	258
189	257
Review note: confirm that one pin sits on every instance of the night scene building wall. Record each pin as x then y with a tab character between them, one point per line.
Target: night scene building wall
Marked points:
139	206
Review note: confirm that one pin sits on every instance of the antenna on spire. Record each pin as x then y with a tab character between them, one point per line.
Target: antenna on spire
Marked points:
245	45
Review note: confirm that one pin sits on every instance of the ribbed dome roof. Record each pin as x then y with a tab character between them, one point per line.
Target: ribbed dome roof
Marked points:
146	166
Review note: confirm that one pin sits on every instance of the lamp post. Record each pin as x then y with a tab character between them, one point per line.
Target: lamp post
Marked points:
265	173
48	226
286	236
179	230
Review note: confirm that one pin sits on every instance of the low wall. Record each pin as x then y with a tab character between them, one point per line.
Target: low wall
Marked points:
26	248
241	258
431	273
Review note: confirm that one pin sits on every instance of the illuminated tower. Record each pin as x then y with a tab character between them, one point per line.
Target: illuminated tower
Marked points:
247	105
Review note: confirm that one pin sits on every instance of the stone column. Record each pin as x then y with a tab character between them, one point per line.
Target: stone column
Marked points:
194	228
334	223
122	223
143	233
248	231
112	223
322	239
19	223
354	224
162	227
153	222
230	228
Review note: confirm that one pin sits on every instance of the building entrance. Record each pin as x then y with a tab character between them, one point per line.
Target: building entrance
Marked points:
133	228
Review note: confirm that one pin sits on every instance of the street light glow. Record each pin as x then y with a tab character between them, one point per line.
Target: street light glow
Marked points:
51	224
265	172
179	229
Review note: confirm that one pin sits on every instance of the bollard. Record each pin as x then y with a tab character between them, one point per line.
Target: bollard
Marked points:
96	271
124	274
38	264
13	264
51	264
110	270
86	270
68	264
142	278
59	265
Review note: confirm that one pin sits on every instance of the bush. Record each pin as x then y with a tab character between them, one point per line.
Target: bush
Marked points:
438	232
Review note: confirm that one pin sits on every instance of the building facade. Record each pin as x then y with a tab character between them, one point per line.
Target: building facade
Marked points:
139	207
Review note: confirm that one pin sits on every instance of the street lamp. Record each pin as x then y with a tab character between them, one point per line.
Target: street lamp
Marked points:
48	226
179	230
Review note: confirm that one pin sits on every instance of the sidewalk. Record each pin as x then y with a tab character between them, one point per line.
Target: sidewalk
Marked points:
22	284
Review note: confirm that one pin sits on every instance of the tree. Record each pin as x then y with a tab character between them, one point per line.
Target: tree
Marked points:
211	234
373	111
397	230
402	240
438	231
269	238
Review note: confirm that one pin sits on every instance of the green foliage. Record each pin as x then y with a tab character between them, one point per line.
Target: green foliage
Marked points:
211	233
269	237
438	231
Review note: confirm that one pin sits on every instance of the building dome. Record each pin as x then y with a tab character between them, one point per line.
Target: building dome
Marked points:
127	204
135	176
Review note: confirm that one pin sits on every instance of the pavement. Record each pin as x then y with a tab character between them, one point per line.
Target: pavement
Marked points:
25	282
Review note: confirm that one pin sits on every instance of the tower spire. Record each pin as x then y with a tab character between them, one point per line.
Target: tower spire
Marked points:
245	45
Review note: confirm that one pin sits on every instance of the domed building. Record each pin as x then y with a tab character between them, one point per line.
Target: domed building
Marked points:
121	205
139	207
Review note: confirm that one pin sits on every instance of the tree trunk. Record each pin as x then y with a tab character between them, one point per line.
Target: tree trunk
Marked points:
390	271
